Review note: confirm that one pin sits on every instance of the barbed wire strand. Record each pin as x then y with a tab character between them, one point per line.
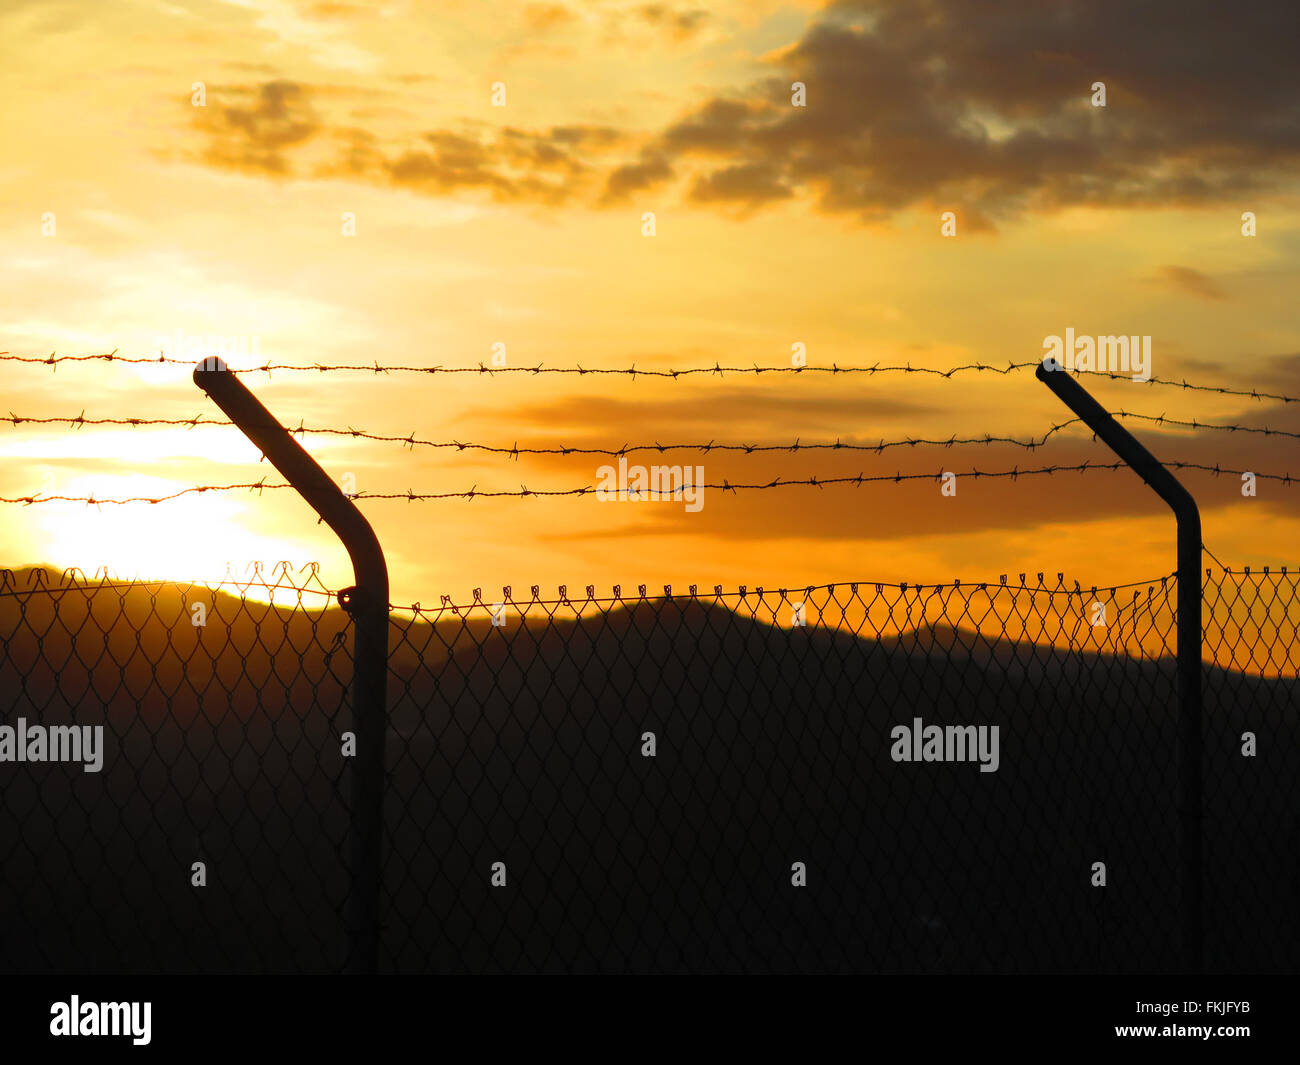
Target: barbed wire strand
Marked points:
412	441
717	369
742	591
675	494
37	578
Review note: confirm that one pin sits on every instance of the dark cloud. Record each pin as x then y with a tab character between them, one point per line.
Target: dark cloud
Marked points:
507	163
748	184
984	107
1280	373
1193	282
967	105
689	415
543	17
681	24
674	22
590	138
357	154
255	136
721	127
651	170
450	162
519	148
336	9
510	164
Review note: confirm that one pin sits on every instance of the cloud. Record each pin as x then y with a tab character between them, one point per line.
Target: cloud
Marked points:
335	9
721	127
255	137
450	162
933	104
694	418
904	511
652	170
509	164
540	18
749	184
1281	373
681	24
678	23
885	510
1193	282
987	110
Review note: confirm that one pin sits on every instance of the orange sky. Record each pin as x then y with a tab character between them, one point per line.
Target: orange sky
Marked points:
522	225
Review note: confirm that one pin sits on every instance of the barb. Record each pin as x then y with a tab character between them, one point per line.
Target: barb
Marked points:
726	486
69	583
73	578
744	592
127	585
53	361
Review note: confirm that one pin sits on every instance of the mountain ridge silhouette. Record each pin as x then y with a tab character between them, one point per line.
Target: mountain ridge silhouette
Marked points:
523	745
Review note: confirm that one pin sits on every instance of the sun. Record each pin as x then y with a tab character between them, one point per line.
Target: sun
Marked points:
203	538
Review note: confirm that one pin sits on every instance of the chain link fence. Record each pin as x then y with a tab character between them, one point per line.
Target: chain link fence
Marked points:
651	782
220	717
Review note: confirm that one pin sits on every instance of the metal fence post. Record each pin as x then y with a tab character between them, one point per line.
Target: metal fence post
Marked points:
1167	486
367	603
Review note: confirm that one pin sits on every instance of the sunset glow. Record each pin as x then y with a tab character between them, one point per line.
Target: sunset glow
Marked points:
518	230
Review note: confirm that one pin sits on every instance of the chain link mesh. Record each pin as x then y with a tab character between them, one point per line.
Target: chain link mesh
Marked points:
219	747
521	732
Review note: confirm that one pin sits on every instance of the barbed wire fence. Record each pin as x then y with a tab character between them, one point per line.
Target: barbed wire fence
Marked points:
676	782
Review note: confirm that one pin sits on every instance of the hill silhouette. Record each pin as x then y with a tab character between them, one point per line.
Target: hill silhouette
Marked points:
523	745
